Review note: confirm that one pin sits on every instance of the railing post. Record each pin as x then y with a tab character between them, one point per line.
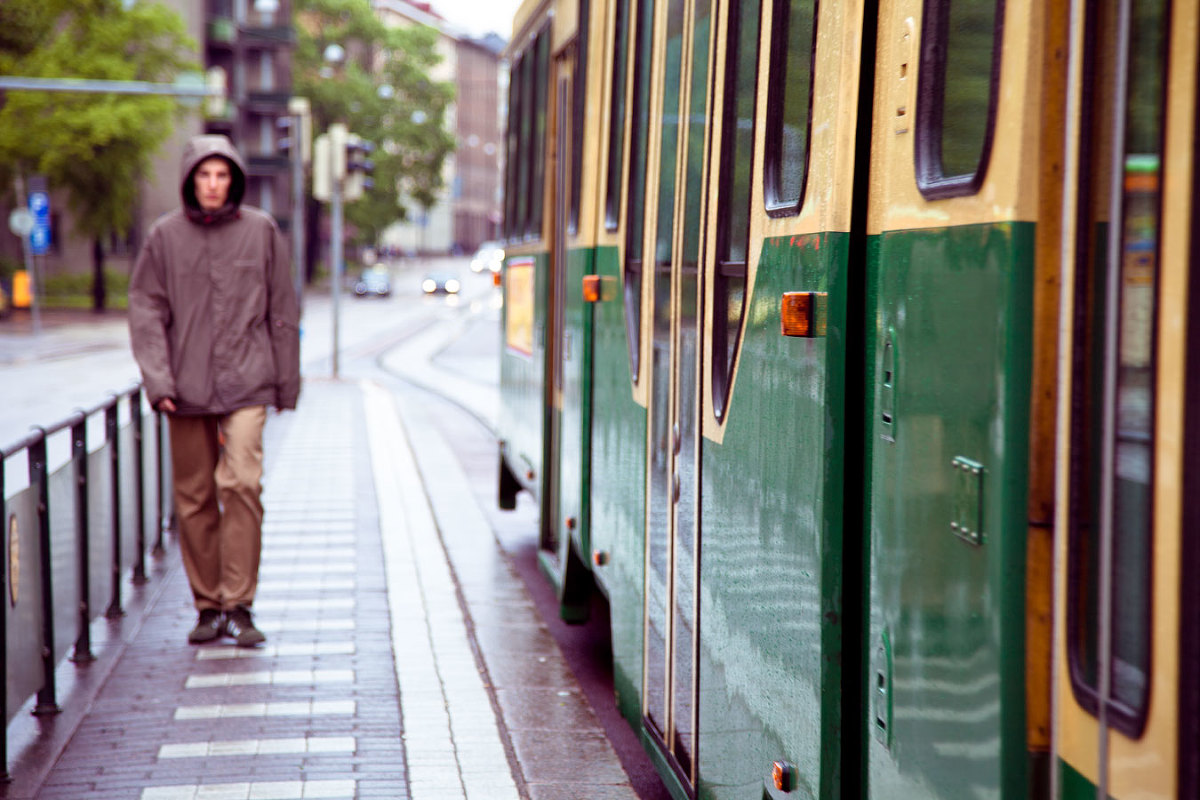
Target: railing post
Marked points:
4	776
158	463
114	460
83	542
139	489
47	702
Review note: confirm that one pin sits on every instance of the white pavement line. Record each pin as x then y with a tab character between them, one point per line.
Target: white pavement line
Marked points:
304	708
318	568
306	623
282	677
276	554
226	652
304	604
439	698
260	747
258	790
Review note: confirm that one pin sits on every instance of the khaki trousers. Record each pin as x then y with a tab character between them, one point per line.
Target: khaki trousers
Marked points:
218	488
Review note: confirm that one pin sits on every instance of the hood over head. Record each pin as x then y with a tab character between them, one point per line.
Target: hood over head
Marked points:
197	150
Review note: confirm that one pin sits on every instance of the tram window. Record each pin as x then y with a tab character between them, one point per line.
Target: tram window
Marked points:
578	109
960	68
512	160
733	230
1112	469
635	212
616	119
789	104
525	154
541	72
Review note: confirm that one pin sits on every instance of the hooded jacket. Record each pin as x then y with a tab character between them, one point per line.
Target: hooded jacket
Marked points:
213	316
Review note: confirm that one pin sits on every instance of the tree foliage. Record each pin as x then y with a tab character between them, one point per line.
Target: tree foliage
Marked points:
96	147
385	93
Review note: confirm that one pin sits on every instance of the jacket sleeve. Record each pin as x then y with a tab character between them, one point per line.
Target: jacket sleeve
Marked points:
283	317
149	319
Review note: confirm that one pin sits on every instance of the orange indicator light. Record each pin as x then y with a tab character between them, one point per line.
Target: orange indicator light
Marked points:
495	279
803	314
591	288
784	776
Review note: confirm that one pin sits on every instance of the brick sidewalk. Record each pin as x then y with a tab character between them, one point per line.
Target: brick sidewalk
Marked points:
315	712
390	670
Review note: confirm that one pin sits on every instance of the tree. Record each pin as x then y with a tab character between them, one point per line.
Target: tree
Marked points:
95	147
383	92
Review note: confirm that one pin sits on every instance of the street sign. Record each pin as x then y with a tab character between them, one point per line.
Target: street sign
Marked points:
20	222
39	237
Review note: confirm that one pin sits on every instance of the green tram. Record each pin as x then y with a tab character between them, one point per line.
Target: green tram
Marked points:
848	354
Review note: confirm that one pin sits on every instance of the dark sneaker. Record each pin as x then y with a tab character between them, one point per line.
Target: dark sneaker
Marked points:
239	624
208	627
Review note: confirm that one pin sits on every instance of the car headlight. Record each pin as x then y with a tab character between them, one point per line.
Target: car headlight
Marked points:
429	286
452	286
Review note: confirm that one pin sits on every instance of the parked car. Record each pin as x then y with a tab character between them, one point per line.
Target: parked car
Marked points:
374	282
440	283
489	256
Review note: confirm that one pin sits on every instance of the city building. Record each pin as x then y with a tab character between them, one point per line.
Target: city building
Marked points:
252	41
469	209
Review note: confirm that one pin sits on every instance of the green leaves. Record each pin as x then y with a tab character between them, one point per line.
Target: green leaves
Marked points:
384	92
94	146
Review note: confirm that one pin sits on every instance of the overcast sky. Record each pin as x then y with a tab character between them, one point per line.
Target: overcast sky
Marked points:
479	16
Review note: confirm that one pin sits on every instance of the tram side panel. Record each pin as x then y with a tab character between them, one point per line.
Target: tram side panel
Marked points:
618	484
771	672
522	372
770	554
951	260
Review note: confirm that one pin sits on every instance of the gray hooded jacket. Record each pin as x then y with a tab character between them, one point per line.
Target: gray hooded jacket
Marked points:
213	316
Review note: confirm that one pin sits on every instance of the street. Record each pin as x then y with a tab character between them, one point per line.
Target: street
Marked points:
77	364
440	351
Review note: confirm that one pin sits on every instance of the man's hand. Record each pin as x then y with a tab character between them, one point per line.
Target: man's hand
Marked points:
167	405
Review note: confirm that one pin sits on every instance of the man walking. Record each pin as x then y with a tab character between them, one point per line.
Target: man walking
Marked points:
214	324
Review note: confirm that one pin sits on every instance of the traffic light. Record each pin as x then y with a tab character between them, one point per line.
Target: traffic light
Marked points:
359	167
218	91
322	174
287	140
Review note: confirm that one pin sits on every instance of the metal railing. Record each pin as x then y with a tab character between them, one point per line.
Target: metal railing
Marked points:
71	535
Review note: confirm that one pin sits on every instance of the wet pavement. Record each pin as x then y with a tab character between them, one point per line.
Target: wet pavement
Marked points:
405	656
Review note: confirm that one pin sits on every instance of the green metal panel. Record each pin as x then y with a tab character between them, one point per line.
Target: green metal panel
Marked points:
771	542
618	484
1075	786
949	340
576	408
522	384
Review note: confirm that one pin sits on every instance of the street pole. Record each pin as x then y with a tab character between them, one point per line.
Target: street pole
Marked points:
30	270
335	256
298	208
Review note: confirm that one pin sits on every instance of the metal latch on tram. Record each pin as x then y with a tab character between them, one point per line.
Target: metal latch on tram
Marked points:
967	519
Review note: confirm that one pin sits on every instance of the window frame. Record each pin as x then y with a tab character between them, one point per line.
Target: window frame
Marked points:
1122	717
723	355
619	76
773	166
932	182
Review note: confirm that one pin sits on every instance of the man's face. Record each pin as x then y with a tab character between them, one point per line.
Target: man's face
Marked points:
212	179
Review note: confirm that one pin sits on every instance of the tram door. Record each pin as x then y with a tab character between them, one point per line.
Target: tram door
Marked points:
1127	715
671	245
566	383
952	275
